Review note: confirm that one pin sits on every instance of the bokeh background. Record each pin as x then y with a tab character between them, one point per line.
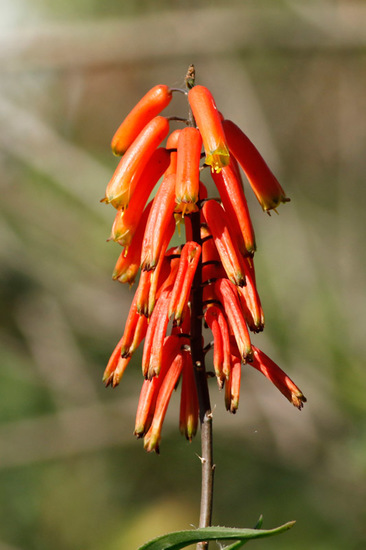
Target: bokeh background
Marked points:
293	75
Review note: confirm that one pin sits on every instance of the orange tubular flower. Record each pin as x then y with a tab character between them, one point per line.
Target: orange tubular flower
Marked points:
135	330
216	321
188	170
266	366
126	221
120	369
189	259
116	366
228	296
150	388
264	184
128	263
232	387
150	280
153	347
161	215
230	256
230	187
124	180
188	418
112	363
250	300
209	124
153	436
146	109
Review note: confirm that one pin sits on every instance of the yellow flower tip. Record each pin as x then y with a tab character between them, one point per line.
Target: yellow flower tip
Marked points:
298	399
107	379
139	431
218	159
186	207
151	442
272	204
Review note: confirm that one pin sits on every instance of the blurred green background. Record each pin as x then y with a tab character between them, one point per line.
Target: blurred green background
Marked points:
293	76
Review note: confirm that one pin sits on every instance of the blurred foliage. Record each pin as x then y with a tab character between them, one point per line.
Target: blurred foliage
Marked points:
293	76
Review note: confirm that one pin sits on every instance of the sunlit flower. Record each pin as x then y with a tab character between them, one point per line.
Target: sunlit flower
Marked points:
230	188
209	124
146	109
128	172
127	220
266	366
160	217
188	170
227	248
264	184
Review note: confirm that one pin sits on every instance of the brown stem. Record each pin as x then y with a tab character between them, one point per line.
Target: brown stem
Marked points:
198	358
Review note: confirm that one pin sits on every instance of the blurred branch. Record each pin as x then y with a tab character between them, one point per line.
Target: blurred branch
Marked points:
213	32
59	360
26	137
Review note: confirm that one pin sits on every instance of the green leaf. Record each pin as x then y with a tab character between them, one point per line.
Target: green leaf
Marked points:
181	539
241	543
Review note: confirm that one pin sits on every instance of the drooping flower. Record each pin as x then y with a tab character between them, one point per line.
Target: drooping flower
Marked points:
266	366
126	176
188	263
263	182
188	170
227	248
230	187
209	124
227	293
146	109
127	220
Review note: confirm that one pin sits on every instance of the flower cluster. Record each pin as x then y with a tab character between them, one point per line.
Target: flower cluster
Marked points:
218	261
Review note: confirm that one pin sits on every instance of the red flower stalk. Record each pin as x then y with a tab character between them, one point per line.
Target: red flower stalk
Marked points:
189	259
150	388
228	296
264	184
124	180
126	221
146	109
230	187
188	170
227	248
266	366
209	124
232	385
128	263
153	436
188	418
161	216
